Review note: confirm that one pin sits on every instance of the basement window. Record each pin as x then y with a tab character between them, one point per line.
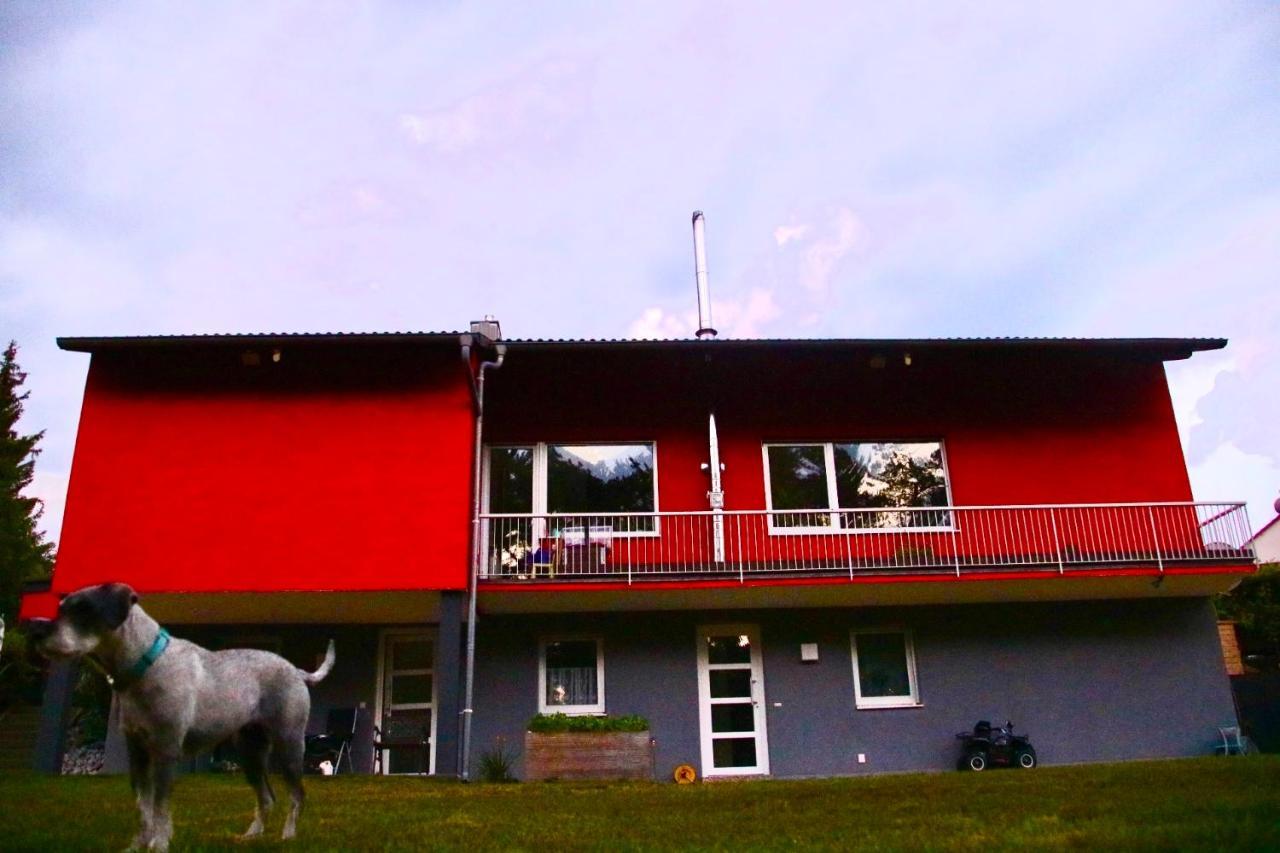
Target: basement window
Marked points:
856	486
884	670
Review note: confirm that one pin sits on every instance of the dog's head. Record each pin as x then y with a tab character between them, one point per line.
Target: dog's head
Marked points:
84	618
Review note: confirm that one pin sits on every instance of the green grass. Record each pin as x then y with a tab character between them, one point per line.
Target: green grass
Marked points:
1165	805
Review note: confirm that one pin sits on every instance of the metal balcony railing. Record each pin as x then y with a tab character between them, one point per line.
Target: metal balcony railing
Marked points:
933	540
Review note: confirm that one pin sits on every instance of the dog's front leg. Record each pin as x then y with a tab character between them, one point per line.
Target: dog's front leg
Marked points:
162	768
140	781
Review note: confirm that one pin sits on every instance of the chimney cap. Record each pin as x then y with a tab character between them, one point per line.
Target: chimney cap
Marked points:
489	328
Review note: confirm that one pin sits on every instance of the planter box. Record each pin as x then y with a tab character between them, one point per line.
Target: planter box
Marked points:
587	755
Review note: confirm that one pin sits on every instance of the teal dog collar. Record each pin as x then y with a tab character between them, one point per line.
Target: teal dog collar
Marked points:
143	663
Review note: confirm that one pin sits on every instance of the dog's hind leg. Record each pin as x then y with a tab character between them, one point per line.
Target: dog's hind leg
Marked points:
255	753
140	781
290	751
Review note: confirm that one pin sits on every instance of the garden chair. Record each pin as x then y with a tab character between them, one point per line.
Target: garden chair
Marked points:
1233	742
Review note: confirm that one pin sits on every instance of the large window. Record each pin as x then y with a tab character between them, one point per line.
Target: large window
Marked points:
884	670
571	676
856	485
577	486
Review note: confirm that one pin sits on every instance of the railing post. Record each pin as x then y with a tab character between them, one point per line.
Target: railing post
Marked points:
955	547
1057	546
1155	537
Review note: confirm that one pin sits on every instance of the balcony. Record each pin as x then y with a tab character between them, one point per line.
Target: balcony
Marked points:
944	540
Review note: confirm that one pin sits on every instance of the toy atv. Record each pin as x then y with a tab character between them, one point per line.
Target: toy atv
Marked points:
995	747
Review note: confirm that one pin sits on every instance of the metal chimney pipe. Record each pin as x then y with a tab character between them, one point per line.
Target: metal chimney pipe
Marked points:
700	271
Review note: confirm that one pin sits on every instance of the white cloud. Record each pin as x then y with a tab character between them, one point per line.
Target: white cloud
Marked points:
818	260
784	234
534	107
732	318
1230	474
1190	382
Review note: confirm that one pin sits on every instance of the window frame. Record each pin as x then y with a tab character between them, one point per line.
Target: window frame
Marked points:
540	450
595	710
865	703
833	508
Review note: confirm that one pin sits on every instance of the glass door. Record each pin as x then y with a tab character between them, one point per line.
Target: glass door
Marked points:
731	701
407	703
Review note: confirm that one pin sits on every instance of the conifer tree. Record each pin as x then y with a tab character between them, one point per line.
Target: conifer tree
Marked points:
24	555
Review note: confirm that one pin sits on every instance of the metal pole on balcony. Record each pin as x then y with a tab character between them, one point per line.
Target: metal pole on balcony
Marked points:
715	497
1155	537
1057	545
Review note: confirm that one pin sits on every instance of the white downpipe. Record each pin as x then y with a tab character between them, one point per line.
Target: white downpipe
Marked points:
715	497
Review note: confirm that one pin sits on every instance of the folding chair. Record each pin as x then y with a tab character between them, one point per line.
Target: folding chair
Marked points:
342	728
1233	742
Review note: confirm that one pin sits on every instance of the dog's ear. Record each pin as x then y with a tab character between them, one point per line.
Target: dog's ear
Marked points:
116	600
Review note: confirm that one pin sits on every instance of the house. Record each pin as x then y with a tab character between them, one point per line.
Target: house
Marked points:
1266	542
794	557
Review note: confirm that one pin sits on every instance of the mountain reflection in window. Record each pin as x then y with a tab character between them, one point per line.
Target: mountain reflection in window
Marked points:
602	478
900	476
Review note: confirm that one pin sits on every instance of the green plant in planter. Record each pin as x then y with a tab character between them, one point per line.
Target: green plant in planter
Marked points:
554	723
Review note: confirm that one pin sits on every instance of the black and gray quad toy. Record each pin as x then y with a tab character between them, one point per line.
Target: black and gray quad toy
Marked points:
995	747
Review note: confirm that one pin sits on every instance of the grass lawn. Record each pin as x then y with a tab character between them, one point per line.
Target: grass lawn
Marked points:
1208	803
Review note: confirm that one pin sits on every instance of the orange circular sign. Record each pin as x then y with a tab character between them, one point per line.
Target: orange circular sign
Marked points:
685	774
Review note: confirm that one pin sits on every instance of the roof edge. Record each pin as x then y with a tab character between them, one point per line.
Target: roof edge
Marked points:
127	342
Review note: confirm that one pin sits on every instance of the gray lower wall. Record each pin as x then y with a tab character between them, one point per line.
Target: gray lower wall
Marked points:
1089	681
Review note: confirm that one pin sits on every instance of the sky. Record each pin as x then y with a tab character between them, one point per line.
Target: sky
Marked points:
867	170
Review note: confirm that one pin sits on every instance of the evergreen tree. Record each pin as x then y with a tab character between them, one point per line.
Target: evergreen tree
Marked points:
24	555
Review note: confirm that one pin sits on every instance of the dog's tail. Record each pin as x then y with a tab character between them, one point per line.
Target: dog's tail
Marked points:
316	677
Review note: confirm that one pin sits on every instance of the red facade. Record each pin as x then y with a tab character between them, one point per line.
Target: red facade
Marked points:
347	464
335	468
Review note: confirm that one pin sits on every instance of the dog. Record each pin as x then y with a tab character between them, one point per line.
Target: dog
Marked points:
177	699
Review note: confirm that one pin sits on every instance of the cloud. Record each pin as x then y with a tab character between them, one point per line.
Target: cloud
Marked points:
733	318
1230	474
784	234
537	107
819	258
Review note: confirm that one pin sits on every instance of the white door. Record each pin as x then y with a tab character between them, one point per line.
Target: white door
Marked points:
731	705
406	702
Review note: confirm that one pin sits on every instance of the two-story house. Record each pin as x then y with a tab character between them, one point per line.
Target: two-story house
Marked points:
794	557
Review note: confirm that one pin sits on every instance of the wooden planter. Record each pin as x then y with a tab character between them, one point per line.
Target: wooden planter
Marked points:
587	755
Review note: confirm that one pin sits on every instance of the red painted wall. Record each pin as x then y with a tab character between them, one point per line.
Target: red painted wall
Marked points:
341	467
1018	428
348	467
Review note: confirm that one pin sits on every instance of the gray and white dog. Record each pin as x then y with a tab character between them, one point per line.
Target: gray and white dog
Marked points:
177	699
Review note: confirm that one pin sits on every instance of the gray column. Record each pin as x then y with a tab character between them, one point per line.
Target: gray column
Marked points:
55	714
448	676
115	757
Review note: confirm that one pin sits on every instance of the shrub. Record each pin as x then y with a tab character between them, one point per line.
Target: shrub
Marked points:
495	764
550	723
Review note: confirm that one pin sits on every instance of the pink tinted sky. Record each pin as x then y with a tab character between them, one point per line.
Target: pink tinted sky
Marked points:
867	170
